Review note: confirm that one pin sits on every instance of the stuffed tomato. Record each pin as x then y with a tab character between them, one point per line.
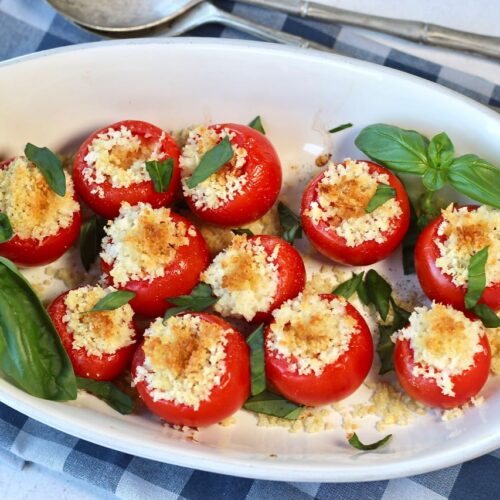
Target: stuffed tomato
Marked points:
193	369
338	218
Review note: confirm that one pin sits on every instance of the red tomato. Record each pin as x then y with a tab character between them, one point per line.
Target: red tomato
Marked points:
337	381
106	367
466	385
263	169
437	285
31	252
225	398
109	206
335	248
180	277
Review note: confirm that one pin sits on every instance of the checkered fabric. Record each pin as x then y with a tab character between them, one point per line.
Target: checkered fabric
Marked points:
31	25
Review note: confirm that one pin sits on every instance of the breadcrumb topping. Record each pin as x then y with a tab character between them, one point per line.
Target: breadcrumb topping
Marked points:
463	234
99	332
33	209
223	185
494	340
184	359
244	277
342	197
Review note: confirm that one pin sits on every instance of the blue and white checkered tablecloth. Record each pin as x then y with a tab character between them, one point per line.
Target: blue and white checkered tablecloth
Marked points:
31	25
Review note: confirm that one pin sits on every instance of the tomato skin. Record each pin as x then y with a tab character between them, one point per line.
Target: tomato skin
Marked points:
437	285
180	276
106	367
109	206
335	248
225	399
31	252
337	381
466	384
263	168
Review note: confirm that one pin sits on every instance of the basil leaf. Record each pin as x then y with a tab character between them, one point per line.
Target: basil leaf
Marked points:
256	124
363	293
477	179
109	393
476	278
347	288
242	230
400	150
434	179
212	161
161	173
91	235
290	223
428	208
356	443
486	315
32	356
379	292
272	404
113	300
257	364
6	231
49	165
440	151
339	128
382	194
200	299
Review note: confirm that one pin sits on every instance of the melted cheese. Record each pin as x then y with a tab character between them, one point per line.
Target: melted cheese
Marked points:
244	278
465	233
142	241
100	332
311	332
222	186
342	197
33	209
184	359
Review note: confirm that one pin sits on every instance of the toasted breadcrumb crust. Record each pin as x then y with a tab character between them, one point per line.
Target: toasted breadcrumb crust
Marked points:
494	339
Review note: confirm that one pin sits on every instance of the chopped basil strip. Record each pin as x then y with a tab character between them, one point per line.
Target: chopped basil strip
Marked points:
363	293
91	235
6	231
109	393
256	123
486	315
382	194
476	278
212	161
242	230
49	165
272	404
379	292
339	128
356	443
349	287
200	299
113	301
161	173
257	365
290	223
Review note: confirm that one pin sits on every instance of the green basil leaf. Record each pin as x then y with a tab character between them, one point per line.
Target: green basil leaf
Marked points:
429	208
6	231
49	165
363	293
242	230
256	124
113	300
257	364
161	173
200	299
347	288
272	404
398	149
401	316
8	263
290	223
109	393
382	194
486	315
379	292
32	356
434	179
476	278
385	348
339	128
212	161
356	443
477	179
440	151
91	235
